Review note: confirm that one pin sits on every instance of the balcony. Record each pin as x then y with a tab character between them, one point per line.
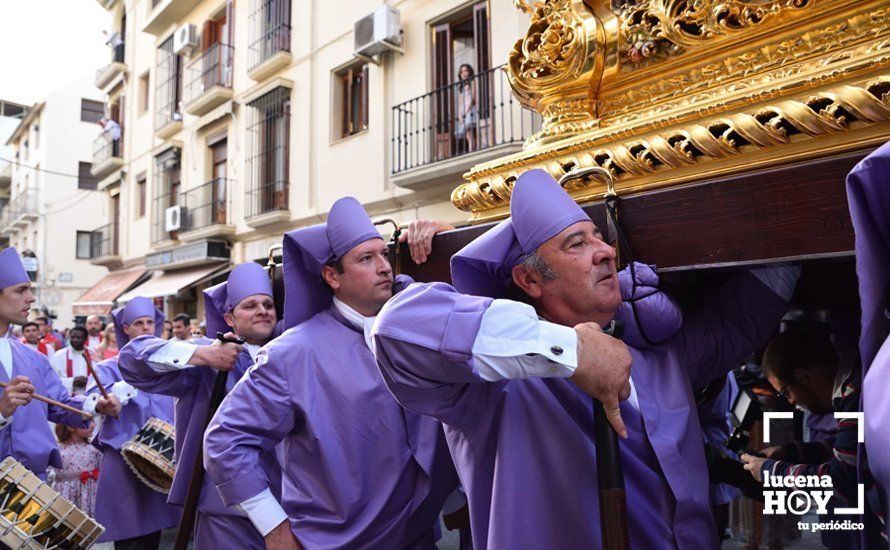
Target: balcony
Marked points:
267	204
269	49
20	211
207	211
107	74
107	156
164	13
442	134
209	79
104	246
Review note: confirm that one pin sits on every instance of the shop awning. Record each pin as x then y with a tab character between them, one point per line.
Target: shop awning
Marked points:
171	283
101	297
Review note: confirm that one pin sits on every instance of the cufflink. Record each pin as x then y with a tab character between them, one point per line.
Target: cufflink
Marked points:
556	350
176	360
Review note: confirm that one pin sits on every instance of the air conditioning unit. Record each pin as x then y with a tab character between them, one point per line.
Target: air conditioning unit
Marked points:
379	32
173	217
185	39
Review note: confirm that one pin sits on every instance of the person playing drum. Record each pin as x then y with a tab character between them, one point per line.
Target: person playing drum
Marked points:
186	371
24	431
133	513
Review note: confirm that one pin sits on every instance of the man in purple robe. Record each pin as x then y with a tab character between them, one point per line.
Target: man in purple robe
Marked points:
868	194
24	431
358	470
242	305
512	382
133	513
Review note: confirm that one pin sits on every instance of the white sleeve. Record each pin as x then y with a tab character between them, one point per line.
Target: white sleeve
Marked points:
55	360
513	343
264	512
4	421
779	279
172	356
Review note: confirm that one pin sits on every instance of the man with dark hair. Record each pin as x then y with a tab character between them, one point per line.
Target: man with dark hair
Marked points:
805	369
73	360
182	327
94	328
31	337
48	337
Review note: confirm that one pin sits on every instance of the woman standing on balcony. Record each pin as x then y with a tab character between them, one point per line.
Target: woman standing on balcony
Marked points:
466	109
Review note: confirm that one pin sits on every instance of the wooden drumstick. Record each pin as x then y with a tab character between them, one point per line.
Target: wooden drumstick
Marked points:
53	402
96	379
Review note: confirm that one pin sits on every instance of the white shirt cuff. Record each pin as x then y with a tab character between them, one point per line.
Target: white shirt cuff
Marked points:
780	279
512	343
264	512
4	421
172	356
124	392
89	404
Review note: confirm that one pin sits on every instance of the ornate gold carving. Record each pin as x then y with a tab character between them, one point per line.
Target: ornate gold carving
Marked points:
768	127
752	68
554	69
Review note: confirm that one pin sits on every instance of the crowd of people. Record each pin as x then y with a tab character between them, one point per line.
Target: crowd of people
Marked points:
373	405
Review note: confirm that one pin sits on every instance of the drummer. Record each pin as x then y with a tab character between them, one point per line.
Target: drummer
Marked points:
132	512
24	431
243	306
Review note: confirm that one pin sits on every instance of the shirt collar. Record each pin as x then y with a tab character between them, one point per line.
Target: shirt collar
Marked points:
356	319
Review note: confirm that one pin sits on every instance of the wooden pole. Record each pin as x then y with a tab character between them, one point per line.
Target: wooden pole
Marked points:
55	403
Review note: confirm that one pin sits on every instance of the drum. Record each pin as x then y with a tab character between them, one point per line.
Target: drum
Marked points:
150	455
34	516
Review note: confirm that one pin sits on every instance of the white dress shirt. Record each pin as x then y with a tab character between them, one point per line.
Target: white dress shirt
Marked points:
78	365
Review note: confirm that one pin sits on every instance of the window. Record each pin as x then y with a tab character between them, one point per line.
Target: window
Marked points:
268	137
84	241
91	111
143	93
168	85
353	99
269	30
85	179
167	177
140	193
35	135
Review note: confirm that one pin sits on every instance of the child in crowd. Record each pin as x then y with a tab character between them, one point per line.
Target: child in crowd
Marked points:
78	478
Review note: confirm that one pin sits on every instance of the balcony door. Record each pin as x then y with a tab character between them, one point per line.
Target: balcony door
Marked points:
219	155
461	108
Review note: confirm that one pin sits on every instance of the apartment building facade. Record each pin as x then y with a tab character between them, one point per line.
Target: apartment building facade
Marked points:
243	119
53	204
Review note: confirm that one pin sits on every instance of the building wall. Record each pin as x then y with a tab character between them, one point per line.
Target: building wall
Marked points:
322	167
62	209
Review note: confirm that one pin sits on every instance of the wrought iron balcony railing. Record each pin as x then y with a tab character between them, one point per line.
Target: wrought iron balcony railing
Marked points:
212	68
206	205
459	119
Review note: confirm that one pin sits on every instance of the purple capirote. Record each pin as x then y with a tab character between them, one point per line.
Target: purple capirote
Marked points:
12	272
244	280
308	250
136	308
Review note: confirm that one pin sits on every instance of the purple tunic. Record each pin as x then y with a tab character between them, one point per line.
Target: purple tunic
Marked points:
29	438
524	449
868	193
127	507
360	471
191	387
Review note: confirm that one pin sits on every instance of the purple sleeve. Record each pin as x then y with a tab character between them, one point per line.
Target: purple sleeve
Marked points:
732	323
55	390
133	363
424	340
253	418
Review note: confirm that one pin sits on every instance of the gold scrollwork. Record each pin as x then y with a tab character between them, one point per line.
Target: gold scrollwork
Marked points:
832	111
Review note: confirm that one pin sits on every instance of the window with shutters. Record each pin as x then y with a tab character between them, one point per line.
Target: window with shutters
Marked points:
166	185
351	100
141	194
168	85
91	111
268	143
269	30
84	240
85	179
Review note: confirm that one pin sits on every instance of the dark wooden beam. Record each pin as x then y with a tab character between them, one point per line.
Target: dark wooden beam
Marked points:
794	211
